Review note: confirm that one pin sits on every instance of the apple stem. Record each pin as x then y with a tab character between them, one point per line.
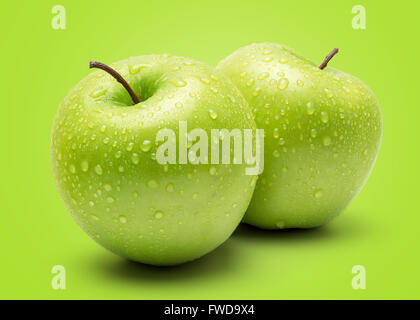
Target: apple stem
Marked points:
328	58
117	76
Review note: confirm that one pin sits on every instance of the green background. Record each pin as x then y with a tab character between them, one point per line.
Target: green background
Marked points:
380	229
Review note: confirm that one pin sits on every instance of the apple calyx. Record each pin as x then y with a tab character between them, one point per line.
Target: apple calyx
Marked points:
328	58
117	76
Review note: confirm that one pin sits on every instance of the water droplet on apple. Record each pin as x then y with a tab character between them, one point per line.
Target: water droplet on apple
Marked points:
195	195
91	203
84	166
283	83
328	93
213	114
214	77
72	168
310	108
250	82
133	69
130	146
98	169
98	92
326	141
214	90
276	133
263	76
280	224
282	141
313	133
212	171
135	158
276	154
107	187
324	116
146	146
205	80
152	183
179	83
300	83
110	199
318	194
106	140
122	218
158	214
170	187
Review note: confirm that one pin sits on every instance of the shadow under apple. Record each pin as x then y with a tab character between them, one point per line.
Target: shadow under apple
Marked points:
230	256
248	232
220	261
343	227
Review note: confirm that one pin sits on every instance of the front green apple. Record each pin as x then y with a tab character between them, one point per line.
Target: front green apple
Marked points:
104	160
323	130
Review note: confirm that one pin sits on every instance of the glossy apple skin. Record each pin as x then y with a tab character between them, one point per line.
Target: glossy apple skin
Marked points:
323	130
107	174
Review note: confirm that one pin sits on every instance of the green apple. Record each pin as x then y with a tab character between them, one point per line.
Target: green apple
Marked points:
104	159
323	130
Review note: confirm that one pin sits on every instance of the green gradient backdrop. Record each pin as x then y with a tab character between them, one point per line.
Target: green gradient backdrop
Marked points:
380	229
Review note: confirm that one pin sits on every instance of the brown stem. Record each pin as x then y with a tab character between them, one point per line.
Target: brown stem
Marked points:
328	58
117	76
